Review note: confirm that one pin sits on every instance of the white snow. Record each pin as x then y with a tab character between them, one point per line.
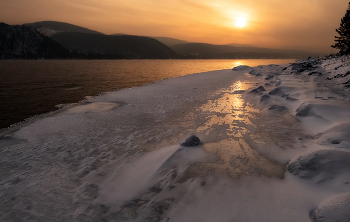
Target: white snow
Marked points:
117	157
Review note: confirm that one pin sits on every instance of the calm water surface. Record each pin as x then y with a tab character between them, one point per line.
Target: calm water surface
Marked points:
28	88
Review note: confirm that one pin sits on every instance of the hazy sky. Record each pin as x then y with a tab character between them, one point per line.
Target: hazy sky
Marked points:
298	24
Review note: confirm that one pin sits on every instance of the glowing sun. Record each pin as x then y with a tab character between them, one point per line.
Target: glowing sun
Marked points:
241	21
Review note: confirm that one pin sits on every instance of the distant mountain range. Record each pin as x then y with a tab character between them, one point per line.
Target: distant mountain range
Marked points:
170	41
235	51
50	39
83	40
165	40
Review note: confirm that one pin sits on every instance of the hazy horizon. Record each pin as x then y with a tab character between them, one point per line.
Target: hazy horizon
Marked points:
308	26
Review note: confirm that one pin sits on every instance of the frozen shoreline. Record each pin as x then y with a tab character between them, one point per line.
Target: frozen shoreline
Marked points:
117	157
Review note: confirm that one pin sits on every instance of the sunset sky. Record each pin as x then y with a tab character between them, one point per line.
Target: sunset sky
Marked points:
298	24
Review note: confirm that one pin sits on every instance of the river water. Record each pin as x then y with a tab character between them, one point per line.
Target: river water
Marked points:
28	88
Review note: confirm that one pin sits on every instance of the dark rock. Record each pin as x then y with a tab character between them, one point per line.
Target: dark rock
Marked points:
278	83
305	66
240	68
261	88
258	90
191	141
291	98
254	91
304	110
279	109
265	98
269	77
252	72
238	92
276	91
315	73
335	142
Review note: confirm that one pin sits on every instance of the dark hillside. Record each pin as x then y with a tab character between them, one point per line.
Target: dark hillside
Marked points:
50	28
24	42
127	46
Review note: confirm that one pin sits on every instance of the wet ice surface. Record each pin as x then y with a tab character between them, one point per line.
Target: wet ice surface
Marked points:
273	146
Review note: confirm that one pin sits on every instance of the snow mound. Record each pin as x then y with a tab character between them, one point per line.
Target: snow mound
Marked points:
140	174
323	166
333	112
304	110
338	135
334	210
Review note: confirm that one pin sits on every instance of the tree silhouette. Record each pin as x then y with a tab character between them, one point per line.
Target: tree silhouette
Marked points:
343	41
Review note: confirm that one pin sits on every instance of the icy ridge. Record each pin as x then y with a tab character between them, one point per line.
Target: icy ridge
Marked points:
316	91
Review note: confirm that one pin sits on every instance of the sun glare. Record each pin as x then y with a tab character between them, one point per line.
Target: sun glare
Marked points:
241	21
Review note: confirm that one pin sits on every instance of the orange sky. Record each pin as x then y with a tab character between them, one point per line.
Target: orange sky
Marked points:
297	24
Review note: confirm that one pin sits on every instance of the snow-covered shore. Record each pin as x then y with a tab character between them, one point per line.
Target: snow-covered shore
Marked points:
275	147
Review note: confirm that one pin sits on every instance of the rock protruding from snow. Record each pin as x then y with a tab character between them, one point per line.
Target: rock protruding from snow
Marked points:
304	110
276	91
334	210
241	68
258	90
261	88
265	98
269	77
278	109
322	166
191	141
255	91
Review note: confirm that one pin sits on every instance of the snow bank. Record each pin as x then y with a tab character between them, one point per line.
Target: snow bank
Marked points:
279	153
324	166
334	210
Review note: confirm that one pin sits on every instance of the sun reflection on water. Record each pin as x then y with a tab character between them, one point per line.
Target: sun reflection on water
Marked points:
238	63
